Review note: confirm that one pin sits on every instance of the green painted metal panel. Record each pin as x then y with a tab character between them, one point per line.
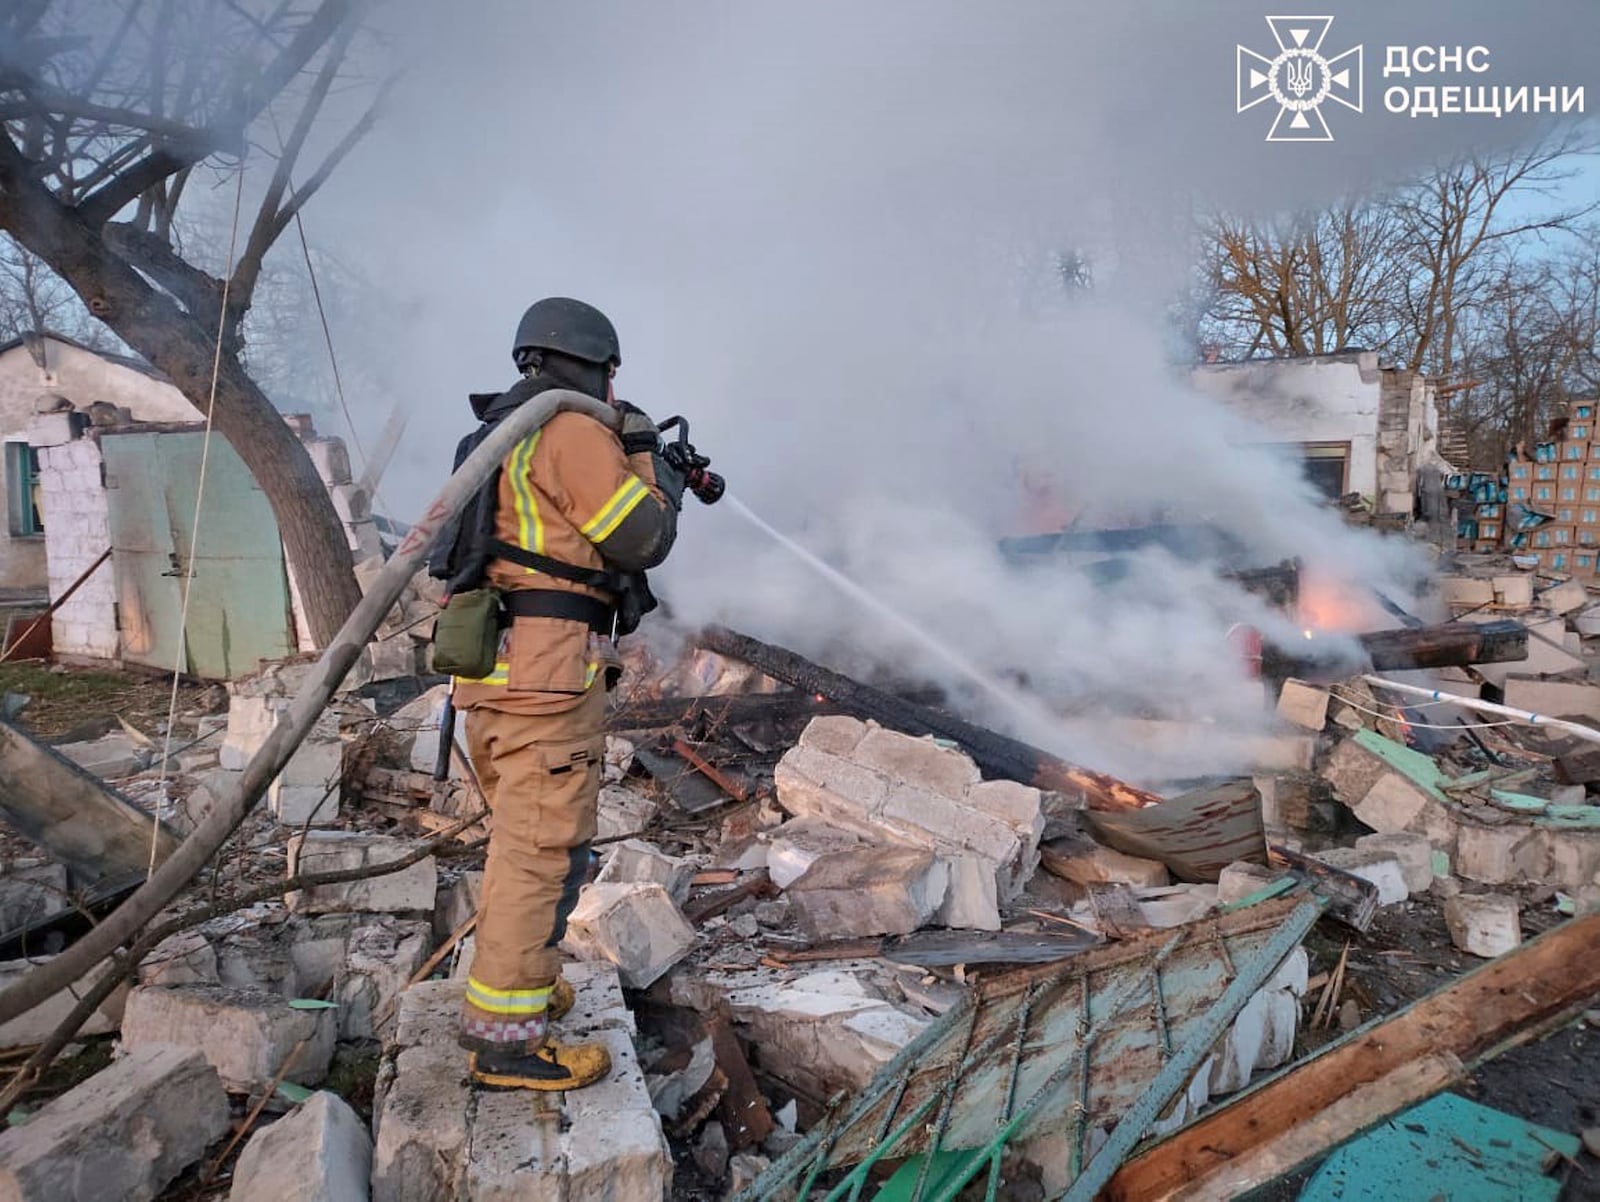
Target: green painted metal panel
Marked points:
239	597
148	591
239	600
1448	1147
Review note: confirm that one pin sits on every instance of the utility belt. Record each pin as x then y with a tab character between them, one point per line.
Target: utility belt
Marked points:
552	603
466	637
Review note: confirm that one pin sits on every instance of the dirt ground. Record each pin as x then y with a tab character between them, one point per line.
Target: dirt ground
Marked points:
68	704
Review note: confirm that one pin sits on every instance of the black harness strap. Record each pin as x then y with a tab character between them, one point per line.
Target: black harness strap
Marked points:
591	577
551	603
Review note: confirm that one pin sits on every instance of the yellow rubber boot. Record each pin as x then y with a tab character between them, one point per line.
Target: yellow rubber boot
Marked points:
562	999
552	1068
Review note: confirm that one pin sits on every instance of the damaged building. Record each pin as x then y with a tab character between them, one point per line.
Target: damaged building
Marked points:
1355	425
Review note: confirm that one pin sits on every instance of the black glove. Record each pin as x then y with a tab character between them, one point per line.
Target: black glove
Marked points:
638	432
670	481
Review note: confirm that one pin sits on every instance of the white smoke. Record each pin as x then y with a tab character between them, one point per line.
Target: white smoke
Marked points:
828	235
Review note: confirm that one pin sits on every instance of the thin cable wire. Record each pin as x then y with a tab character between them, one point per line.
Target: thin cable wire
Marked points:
194	531
327	332
1421	725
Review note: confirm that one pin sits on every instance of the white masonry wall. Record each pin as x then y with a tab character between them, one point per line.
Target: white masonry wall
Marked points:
1329	398
80	530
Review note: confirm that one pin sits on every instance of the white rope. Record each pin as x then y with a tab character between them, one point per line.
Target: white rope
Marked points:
1420	725
1587	733
181	660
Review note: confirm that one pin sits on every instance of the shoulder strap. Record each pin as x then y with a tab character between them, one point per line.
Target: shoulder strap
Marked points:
593	577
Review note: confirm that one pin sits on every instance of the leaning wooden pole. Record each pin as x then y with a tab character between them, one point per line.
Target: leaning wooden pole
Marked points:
192	855
1374	1072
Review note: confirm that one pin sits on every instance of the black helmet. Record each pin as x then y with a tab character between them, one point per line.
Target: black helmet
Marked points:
559	323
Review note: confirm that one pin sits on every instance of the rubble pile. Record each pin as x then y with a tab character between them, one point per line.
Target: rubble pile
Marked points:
787	904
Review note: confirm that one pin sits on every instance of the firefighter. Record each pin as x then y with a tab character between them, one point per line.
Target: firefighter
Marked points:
579	511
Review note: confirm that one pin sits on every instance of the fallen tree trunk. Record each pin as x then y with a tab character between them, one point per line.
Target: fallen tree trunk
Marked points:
996	754
1373	1073
74	815
180	868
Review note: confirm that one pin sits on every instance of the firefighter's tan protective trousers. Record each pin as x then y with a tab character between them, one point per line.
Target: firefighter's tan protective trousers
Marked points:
541	775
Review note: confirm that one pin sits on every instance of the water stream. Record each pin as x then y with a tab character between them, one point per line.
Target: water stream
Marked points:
1035	722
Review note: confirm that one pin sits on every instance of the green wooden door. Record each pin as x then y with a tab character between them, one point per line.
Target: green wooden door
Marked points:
239	598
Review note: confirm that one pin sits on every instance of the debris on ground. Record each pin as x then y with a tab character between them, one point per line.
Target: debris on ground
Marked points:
823	914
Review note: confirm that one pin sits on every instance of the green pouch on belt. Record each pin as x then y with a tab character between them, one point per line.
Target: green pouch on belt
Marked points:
466	636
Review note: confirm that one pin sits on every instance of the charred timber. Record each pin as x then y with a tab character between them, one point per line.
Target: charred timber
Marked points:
995	754
1449	645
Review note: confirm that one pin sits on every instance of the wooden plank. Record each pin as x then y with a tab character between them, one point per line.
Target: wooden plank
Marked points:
74	815
1508	1001
1344	1119
743	1108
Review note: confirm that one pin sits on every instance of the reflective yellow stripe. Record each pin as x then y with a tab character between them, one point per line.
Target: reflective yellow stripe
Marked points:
590	674
622	503
508	1001
500	675
530	529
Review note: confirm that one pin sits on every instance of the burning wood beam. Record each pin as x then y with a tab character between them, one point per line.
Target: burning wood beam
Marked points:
995	754
1448	645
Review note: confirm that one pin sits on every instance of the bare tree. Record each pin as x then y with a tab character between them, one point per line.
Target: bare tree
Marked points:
111	113
1312	283
34	298
1449	224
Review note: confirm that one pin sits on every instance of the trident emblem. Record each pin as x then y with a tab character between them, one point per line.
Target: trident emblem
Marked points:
1299	78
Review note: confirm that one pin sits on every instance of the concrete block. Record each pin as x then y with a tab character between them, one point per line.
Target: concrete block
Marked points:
835	734
1483	924
1546	657
1413	852
421	1135
1565	598
1561	698
971	900
1303	704
1466	591
1085	862
1177	905
1487	854
816	784
870	891
407	890
186	958
921	762
796	845
622	812
934	821
332	460
417	724
36	1025
1513	592
1017	804
1381	868
1240	879
124	1133
821	1032
1393	804
1352	770
379	960
636	927
320	1153
251	718
51	429
634	861
109	757
245	1034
